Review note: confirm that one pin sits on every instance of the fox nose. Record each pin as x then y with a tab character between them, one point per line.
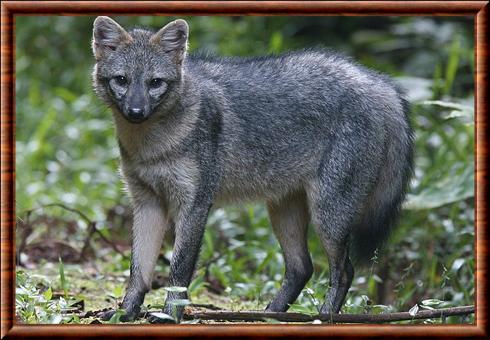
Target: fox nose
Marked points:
135	113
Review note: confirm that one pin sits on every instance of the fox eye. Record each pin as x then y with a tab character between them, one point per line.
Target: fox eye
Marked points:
156	82
121	80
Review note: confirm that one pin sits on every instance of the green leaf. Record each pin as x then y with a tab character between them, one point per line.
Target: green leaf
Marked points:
209	244
156	306
457	110
65	94
196	284
118	291
431	302
302	309
162	316
270	255
56	319
457	264
449	105
452	64
379	309
414	310
448	190
216	271
275	44
116	318
191	322
175	289
48	294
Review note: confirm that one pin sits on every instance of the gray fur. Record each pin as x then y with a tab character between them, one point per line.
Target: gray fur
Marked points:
311	133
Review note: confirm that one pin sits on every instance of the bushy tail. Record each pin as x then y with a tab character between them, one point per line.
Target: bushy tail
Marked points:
383	209
368	238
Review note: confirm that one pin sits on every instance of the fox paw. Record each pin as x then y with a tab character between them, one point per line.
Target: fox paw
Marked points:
107	315
159	319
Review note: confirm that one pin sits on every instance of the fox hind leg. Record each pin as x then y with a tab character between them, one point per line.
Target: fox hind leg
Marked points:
335	199
289	217
333	234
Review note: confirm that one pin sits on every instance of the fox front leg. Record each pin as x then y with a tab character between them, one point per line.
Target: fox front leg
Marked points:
150	224
189	231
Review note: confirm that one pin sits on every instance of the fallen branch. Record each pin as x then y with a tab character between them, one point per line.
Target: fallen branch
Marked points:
332	318
205	305
143	314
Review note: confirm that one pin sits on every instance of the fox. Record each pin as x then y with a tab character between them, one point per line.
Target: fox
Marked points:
318	138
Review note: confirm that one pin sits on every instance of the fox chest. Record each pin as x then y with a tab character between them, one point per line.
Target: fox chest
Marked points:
173	180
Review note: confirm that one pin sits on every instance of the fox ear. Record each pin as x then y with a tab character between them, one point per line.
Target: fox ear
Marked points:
108	34
173	39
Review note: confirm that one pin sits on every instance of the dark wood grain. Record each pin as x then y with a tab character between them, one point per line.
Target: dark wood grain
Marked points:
9	9
250	7
251	330
7	265
481	167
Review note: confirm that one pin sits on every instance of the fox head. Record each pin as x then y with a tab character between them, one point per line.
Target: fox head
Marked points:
138	72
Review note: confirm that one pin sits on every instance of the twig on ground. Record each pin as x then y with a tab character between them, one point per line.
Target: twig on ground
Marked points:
205	305
251	316
335	318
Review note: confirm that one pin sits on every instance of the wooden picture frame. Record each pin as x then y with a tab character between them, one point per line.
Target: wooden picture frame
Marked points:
11	9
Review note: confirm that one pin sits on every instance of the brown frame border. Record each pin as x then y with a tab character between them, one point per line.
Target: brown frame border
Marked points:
9	9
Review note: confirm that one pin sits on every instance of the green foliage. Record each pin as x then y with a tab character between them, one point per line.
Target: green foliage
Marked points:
66	152
32	305
116	318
